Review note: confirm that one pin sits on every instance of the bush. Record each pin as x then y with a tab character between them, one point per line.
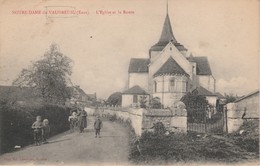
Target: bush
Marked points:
249	139
16	123
162	149
113	117
159	128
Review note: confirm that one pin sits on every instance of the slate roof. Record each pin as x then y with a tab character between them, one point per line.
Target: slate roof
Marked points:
92	96
170	67
191	58
81	91
203	92
136	90
203	67
166	37
219	95
138	65
167	34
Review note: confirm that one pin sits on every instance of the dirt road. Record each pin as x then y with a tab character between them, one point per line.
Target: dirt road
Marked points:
67	148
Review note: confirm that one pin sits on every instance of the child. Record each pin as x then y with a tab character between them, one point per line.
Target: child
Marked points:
98	125
73	119
37	127
46	130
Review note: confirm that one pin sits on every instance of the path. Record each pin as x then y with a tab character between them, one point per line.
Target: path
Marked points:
66	148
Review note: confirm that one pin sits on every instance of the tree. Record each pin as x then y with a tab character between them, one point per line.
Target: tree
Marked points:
230	98
115	99
143	101
194	101
49	76
155	103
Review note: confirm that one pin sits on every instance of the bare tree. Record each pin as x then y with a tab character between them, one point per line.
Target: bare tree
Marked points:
49	76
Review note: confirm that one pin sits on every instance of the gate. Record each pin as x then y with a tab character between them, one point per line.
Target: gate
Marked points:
201	121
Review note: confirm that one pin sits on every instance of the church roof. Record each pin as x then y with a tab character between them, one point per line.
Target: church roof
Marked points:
166	37
203	92
203	67
138	65
136	90
167	34
170	67
191	58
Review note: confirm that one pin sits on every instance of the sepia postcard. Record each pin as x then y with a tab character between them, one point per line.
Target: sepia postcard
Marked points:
129	82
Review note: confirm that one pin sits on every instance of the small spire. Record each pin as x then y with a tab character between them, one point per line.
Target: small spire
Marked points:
167	7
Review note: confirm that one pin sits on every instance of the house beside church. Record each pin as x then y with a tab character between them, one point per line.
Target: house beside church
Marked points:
169	72
132	96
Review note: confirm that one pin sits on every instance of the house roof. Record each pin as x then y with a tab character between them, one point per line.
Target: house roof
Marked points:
170	67
92	96
166	37
203	92
219	95
80	90
203	67
136	90
138	65
250	94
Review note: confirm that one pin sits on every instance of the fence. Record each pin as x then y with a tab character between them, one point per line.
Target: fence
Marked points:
202	121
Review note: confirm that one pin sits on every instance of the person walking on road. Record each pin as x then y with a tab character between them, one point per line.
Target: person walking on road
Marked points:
98	125
73	119
82	120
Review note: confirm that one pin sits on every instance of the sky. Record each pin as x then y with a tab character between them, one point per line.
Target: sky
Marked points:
101	45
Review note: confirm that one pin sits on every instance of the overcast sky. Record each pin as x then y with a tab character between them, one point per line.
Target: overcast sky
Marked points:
227	32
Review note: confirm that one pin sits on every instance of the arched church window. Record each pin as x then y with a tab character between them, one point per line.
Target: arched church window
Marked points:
172	85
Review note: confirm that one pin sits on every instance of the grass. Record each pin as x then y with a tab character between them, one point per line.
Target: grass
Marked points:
160	149
186	148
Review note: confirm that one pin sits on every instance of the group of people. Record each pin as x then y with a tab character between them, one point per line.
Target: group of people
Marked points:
78	119
41	130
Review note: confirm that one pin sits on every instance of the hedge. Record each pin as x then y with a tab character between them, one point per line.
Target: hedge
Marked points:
15	127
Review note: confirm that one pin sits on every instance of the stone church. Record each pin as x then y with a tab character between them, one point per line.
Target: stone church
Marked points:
169	72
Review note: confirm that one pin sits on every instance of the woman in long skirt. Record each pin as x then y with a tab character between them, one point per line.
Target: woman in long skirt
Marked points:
82	120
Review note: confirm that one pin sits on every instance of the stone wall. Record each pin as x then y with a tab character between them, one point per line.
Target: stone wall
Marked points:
234	118
133	115
235	112
175	119
249	104
90	111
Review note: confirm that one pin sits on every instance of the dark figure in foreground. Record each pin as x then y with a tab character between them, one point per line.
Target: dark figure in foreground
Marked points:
82	120
98	125
37	127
